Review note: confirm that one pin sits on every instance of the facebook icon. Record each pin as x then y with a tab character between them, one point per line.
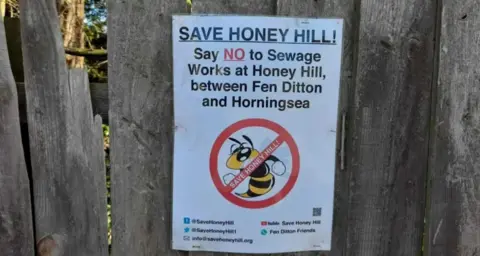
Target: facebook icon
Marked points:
186	220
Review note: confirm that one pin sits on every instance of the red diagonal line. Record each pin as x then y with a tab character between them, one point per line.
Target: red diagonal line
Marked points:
274	145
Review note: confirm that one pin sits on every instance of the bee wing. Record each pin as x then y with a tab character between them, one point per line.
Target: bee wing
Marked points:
283	153
228	177
279	168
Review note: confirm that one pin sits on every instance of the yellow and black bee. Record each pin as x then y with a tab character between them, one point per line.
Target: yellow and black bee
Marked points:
261	179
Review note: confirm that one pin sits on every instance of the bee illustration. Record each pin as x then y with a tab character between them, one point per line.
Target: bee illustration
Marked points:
261	179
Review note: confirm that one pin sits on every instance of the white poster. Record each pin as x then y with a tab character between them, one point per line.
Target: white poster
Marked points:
255	103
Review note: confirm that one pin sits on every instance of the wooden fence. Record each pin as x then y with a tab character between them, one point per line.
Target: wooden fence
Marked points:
407	182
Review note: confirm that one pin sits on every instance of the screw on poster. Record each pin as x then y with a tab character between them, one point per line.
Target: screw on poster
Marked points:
255	106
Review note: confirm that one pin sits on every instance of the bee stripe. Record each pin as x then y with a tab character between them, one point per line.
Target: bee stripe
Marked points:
263	182
259	191
260	184
264	178
251	194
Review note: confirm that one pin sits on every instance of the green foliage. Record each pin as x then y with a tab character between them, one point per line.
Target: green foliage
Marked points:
95	31
95	10
106	147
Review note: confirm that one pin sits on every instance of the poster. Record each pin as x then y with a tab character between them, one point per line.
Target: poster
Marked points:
255	106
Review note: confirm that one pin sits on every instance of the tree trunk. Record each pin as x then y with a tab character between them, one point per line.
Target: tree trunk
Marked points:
72	13
2	8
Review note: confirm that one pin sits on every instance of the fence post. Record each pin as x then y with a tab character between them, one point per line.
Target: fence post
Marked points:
454	168
66	144
141	120
16	228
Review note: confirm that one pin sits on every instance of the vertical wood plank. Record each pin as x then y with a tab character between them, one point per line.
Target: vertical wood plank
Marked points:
141	124
86	154
339	9
245	7
388	130
16	227
454	212
67	161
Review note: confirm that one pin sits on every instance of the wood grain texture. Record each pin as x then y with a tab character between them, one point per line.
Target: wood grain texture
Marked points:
141	124
86	158
454	212
16	227
338	9
387	138
250	7
65	145
98	94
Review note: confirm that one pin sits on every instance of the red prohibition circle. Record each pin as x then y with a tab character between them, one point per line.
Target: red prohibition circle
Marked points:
254	122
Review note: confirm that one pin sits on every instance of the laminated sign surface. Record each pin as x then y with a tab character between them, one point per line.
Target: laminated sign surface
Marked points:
255	103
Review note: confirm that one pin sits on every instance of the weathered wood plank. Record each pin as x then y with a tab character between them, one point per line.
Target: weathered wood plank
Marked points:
249	7
338	9
67	161
141	124
88	160
387	139
16	227
2	7
99	96
454	212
